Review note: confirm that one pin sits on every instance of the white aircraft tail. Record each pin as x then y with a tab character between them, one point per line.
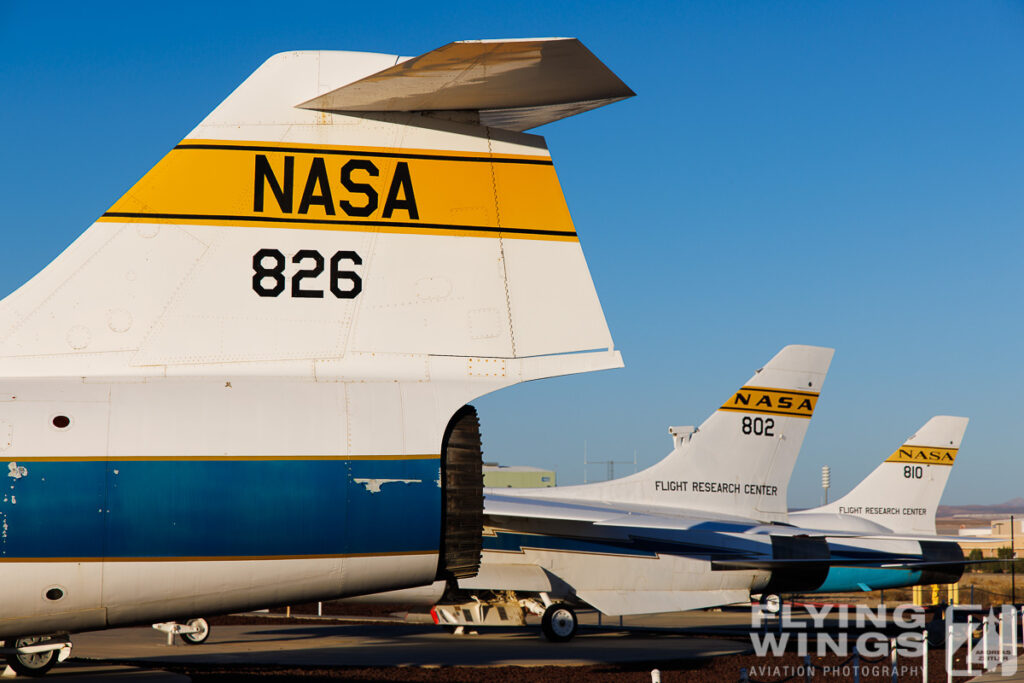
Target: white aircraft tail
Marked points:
903	492
337	208
738	463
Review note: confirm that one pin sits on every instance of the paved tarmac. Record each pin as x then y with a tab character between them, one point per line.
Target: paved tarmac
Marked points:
119	655
323	643
315	642
320	644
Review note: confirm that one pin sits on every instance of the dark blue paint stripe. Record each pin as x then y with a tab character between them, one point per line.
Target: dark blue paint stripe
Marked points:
220	509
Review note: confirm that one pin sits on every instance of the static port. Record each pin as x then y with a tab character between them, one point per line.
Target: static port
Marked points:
61	421
54	594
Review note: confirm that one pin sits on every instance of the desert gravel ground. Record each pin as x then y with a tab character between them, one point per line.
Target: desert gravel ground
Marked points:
714	670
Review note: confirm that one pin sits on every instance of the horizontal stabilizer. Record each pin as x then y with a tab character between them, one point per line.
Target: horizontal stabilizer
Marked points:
887	562
511	84
610	515
883	562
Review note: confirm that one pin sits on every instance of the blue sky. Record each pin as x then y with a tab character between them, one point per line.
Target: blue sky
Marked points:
842	174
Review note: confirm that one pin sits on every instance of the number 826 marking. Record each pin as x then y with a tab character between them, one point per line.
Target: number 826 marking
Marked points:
758	426
274	273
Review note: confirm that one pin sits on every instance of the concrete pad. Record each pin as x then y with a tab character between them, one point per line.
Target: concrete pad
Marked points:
318	644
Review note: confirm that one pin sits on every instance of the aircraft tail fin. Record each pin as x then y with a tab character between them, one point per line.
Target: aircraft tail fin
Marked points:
903	493
317	225
739	461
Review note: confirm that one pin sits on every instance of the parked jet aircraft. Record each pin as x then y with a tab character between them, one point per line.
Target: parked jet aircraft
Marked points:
549	558
898	499
648	542
247	382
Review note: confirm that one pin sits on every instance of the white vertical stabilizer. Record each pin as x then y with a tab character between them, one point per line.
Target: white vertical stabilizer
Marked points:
903	493
274	237
738	463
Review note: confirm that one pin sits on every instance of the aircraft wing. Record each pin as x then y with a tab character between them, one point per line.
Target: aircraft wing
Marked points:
924	537
795	563
650	602
533	508
513	577
894	536
498	506
681	519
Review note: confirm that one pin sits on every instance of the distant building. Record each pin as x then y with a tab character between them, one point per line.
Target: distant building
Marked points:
996	535
517	476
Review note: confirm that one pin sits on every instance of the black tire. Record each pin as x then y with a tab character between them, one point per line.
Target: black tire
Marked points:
936	630
34	665
559	623
196	638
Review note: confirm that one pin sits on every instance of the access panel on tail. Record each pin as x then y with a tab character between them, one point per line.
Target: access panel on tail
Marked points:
244	384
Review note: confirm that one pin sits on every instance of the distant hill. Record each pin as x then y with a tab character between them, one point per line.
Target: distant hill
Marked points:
1010	507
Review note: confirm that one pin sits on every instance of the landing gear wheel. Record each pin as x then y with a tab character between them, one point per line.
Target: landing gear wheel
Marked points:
200	636
35	664
559	623
771	603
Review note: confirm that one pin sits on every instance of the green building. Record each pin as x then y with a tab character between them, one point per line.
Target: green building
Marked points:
516	476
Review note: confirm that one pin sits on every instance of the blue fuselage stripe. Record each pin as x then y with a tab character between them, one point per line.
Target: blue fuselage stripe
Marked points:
223	508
